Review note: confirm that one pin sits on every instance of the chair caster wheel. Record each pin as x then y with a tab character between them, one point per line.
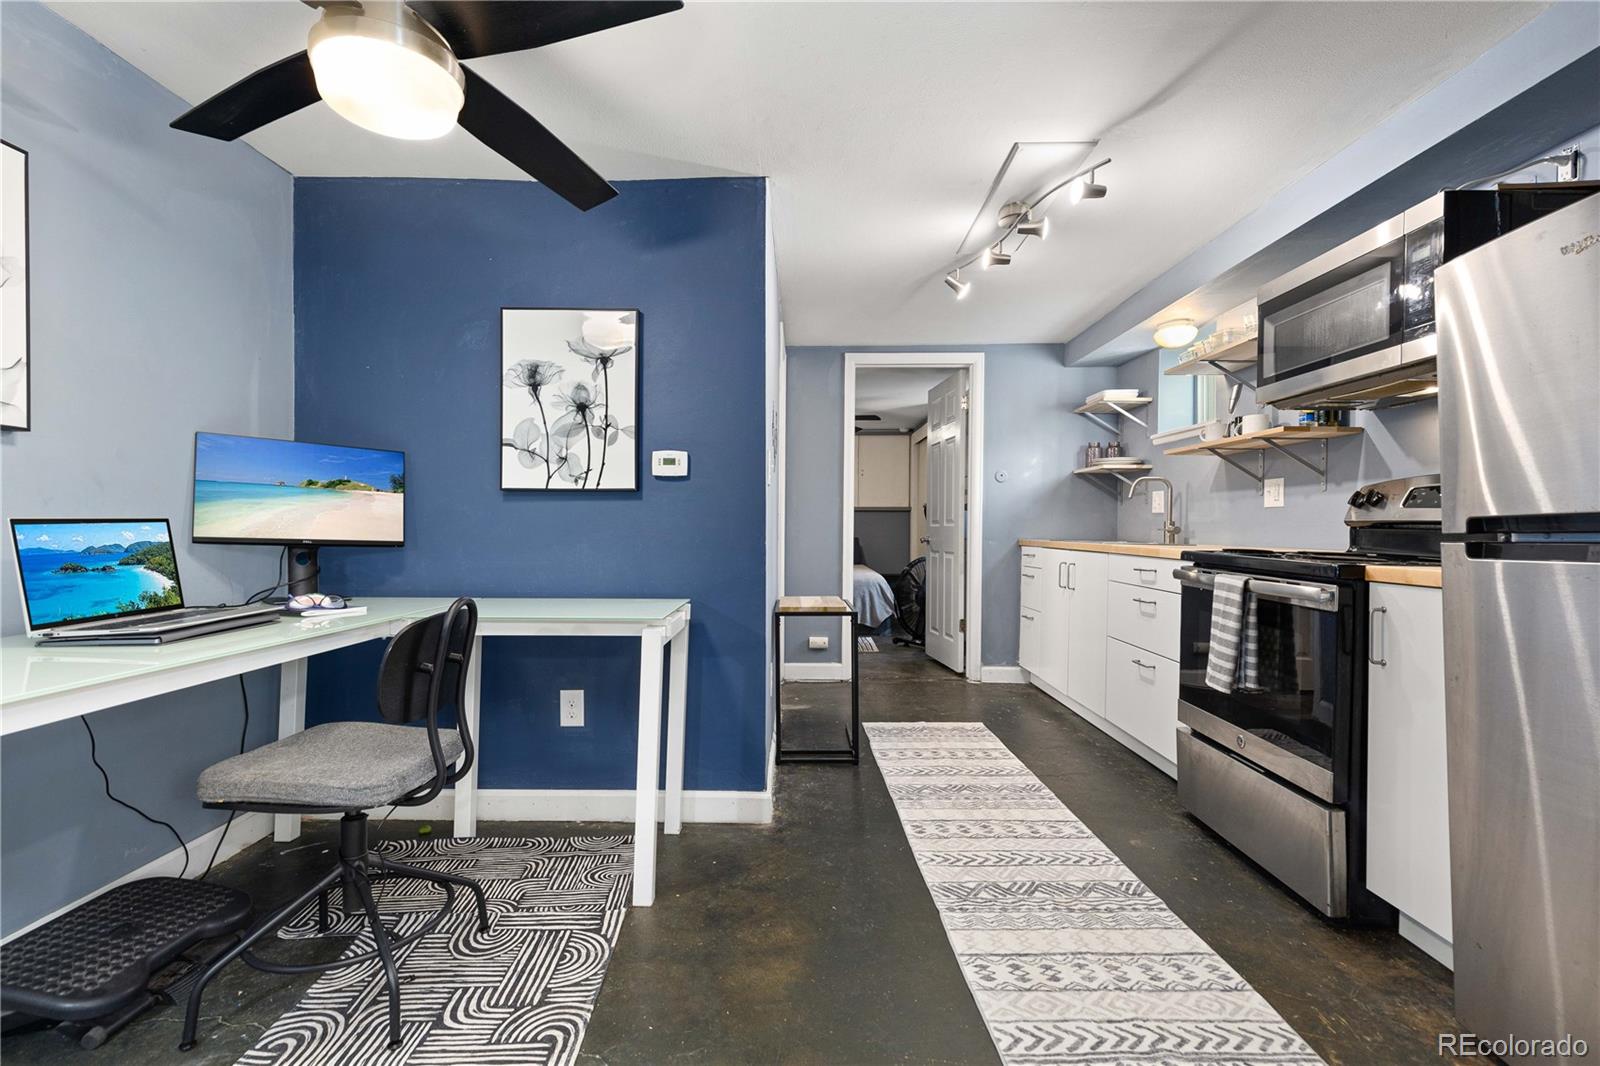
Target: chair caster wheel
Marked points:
187	1045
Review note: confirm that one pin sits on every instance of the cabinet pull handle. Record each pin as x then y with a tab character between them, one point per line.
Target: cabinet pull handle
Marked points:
1142	665
1372	635
1151	603
1062	583
1027	617
1072	577
1143	570
1028	577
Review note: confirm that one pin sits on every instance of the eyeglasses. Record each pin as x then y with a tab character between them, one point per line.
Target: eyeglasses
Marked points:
314	600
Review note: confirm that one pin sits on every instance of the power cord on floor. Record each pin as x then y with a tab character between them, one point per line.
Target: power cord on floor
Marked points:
244	731
94	757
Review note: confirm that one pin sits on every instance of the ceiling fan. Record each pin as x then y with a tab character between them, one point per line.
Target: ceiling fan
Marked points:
394	68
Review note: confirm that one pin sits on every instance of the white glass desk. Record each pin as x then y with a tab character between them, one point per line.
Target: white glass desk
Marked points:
44	684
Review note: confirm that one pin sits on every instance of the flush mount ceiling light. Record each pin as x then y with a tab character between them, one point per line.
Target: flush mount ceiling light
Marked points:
1177	333
996	256
387	71
395	68
957	286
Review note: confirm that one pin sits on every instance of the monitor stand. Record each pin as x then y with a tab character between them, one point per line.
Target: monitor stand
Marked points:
303	570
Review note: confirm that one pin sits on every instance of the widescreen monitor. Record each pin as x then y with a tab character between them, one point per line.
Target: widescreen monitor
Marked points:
257	490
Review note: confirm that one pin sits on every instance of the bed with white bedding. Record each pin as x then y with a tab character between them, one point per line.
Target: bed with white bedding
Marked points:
873	599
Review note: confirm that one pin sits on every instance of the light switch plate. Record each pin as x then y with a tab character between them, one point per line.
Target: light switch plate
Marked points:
1272	492
572	706
1158	501
817	643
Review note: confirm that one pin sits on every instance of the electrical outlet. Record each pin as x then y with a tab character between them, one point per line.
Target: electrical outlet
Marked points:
1272	492
572	706
817	643
1158	501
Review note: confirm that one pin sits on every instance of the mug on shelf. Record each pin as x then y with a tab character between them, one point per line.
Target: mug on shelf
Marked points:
1214	430
1254	423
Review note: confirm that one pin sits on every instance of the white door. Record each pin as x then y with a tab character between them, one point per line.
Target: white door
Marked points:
945	633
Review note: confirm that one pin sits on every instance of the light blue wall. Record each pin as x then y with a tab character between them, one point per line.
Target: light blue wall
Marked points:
161	302
1030	433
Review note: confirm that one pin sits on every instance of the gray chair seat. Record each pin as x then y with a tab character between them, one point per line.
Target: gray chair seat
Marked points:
340	765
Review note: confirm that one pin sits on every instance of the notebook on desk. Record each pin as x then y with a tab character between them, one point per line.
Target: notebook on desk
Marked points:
112	581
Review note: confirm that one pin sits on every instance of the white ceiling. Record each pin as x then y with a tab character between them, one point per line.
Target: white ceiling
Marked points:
898	395
882	126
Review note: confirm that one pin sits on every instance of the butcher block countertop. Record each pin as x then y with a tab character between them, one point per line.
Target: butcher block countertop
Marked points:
1115	547
1428	577
1421	576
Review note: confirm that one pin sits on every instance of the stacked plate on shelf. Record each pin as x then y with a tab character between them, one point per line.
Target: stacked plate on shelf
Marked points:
1116	462
1112	396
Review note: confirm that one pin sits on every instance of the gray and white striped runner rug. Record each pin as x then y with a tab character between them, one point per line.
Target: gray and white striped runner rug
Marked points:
1070	957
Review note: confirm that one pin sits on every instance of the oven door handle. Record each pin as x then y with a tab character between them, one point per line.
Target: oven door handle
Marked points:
1301	594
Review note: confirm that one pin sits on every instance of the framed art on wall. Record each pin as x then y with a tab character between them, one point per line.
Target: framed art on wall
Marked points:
569	399
15	388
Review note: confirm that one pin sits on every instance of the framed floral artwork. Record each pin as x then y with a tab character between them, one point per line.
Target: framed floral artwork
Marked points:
569	399
15	369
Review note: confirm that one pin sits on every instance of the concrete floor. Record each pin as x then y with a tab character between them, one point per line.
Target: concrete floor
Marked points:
814	939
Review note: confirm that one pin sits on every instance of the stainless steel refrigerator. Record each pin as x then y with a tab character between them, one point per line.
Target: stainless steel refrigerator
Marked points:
1519	393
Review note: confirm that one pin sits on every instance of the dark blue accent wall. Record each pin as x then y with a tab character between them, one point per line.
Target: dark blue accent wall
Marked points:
398	290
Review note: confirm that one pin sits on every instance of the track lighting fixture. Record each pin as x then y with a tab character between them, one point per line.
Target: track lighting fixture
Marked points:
996	256
1176	333
1024	219
1086	189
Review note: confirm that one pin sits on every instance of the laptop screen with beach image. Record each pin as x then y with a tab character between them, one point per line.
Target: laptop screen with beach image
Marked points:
258	490
88	571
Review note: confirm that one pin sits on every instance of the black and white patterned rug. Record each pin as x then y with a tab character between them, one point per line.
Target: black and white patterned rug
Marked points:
520	994
1071	959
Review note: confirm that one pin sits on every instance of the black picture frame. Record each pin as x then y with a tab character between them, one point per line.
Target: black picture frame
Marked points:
543	451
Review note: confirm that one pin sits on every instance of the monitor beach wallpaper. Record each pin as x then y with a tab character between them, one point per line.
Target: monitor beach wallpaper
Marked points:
247	488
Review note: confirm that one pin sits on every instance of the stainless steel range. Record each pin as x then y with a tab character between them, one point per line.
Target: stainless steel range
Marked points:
1276	765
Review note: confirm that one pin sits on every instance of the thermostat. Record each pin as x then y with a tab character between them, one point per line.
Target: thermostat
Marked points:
669	464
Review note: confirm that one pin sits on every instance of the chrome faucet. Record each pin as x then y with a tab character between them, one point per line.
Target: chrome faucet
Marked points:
1169	528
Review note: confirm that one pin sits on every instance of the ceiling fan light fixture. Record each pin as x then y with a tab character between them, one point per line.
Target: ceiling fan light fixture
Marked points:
1177	333
387	71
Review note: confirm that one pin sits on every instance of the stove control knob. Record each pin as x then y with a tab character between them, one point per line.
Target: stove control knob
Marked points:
1357	499
1374	498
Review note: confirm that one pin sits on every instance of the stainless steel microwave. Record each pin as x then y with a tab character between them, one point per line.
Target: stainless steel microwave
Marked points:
1354	327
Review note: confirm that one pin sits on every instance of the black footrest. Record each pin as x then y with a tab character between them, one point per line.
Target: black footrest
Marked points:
99	957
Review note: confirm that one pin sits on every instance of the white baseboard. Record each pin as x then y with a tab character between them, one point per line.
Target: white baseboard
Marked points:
1003	675
246	830
1442	951
816	671
593	805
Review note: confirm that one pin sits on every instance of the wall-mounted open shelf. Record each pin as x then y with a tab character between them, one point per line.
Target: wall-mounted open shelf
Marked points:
1280	439
1095	473
1123	407
1235	362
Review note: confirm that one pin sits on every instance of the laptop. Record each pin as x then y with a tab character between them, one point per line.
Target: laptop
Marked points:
112	581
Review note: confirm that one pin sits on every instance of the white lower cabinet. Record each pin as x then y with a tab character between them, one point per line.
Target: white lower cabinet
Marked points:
1408	813
1142	696
1085	679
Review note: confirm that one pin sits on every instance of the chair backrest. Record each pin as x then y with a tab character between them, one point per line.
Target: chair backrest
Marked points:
424	670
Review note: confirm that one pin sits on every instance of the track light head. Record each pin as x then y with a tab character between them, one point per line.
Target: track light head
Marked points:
957	286
1034	227
1086	189
994	256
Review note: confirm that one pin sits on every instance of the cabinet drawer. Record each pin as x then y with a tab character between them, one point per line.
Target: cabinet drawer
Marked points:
1142	697
1145	618
1028	641
1032	588
1146	573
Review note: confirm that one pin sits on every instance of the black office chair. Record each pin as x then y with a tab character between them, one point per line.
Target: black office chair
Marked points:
350	768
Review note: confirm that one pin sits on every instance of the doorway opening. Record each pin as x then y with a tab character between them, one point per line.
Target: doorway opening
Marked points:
913	444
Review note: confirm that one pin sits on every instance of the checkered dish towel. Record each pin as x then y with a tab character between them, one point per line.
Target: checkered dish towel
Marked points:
1233	623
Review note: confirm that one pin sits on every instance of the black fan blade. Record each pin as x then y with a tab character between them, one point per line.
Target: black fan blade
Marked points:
265	96
494	119
489	27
